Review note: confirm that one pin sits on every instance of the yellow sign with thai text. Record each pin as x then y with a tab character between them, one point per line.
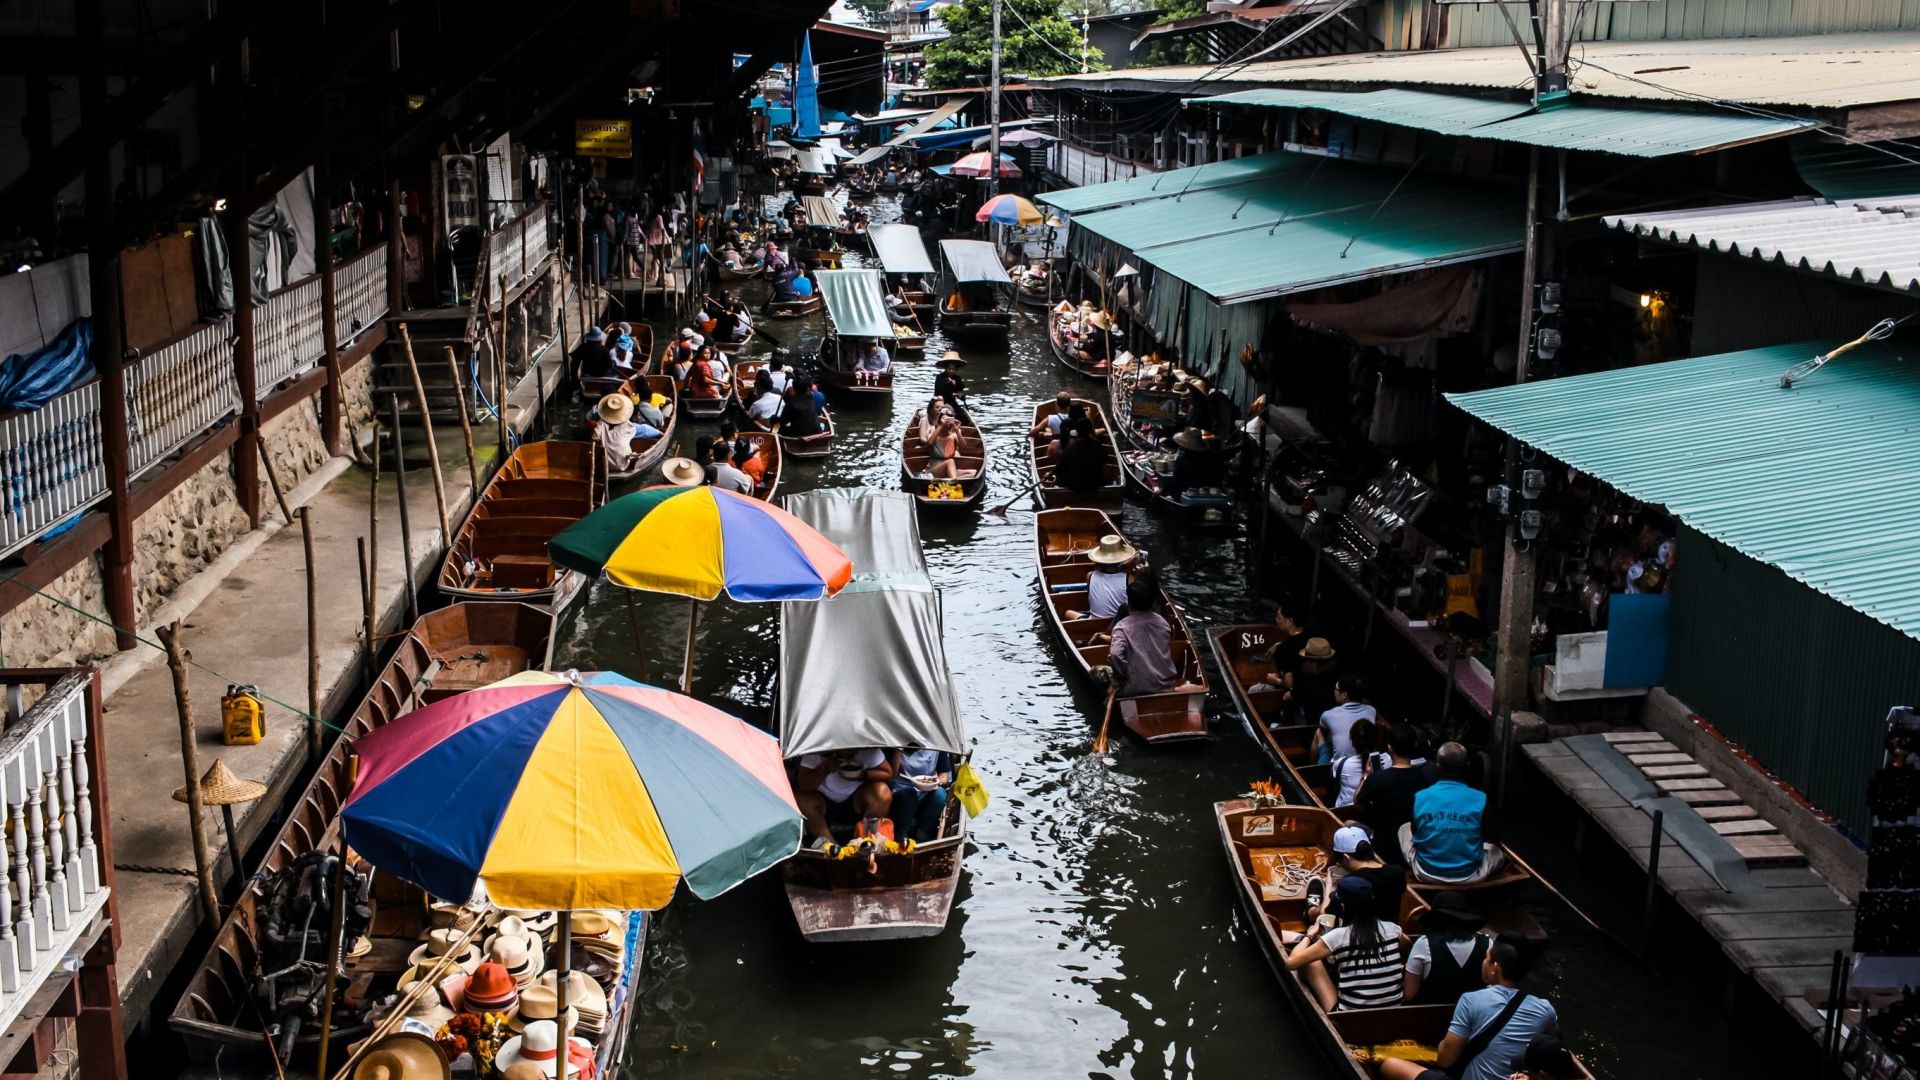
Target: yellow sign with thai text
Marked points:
603	138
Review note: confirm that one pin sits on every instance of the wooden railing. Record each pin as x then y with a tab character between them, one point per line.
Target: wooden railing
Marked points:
359	293
54	885
50	464
178	392
287	336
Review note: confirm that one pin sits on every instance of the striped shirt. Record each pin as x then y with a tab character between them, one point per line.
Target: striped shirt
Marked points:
1368	981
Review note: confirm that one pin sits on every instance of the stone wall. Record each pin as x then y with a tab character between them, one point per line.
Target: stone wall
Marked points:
295	447
356	397
185	532
42	633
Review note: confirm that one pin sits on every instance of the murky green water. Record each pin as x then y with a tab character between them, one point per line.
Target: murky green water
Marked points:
1095	933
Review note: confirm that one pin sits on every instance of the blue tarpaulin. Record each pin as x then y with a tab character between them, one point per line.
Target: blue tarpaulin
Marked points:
806	93
30	380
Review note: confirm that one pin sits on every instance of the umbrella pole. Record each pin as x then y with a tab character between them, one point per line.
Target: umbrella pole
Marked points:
633	623
693	624
560	982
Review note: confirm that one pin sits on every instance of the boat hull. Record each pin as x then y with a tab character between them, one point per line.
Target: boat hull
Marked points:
1111	496
795	309
908	896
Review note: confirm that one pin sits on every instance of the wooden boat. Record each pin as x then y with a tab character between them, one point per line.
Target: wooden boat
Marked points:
766	447
1094	370
858	193
810	186
1110	495
795	309
971	273
745	273
1032	297
1209	508
909	336
1061	540
829	687
647	452
791	446
735	348
965	491
597	387
500	553
857	297
1142	415
823	258
458	648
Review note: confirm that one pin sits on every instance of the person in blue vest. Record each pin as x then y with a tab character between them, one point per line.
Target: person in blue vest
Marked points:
1450	840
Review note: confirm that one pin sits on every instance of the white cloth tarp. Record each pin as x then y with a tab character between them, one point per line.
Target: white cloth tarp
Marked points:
923	124
868	667
973	260
822	212
815	161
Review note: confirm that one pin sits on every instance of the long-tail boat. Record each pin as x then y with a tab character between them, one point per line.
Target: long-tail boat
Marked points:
500	553
647	451
1110	495
1062	539
965	490
814	446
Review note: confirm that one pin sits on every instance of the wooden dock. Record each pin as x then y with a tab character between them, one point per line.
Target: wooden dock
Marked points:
1780	927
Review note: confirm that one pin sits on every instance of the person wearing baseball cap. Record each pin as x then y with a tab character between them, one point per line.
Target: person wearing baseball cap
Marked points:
1354	856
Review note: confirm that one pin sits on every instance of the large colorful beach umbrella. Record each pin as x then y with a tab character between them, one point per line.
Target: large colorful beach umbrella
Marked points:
978	165
570	791
699	542
1009	210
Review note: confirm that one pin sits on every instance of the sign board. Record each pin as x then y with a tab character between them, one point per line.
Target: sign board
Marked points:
460	192
603	138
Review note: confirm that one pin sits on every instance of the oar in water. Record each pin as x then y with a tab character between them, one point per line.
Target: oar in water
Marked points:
1100	740
1001	510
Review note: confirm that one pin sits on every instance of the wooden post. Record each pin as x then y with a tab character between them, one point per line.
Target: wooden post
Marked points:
246	468
406	529
693	627
373	543
190	759
500	373
466	424
396	251
433	446
313	636
101	1026
366	604
330	408
562	990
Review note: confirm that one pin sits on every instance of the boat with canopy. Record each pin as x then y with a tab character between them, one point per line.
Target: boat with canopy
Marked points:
821	245
869	669
974	291
908	266
856	314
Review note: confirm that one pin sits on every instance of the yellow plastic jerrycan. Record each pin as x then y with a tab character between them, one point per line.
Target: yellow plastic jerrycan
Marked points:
242	717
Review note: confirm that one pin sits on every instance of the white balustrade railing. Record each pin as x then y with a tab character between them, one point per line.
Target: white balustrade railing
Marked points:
287	337
50	465
178	392
515	250
359	293
52	887
1080	167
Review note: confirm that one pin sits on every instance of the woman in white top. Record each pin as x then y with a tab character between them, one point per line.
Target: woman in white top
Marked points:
1351	770
1358	964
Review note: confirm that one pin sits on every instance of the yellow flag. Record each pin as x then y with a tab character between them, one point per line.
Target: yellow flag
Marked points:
969	790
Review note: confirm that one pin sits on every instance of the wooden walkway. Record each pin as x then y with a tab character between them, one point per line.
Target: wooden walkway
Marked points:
1781	930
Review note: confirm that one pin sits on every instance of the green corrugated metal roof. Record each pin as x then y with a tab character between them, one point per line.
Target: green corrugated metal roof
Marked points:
1577	125
856	302
1082	200
1822	481
1316	186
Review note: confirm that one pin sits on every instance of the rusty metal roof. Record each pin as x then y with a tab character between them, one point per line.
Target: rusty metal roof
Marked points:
1868	241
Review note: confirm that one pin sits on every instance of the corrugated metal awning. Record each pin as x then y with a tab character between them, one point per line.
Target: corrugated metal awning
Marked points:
1577	125
925	123
973	261
1821	481
1869	241
900	249
856	302
1082	200
822	212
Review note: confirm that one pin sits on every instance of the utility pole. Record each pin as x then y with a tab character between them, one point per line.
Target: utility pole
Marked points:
993	111
1512	660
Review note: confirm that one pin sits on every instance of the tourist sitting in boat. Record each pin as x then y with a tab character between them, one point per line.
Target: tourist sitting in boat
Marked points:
1285	653
1385	800
1357	964
1354	853
776	370
841	788
799	413
741	319
1352	769
707	318
590	358
786	287
617	430
943	450
873	363
766	399
623	350
1349	707
1475	1049
948	386
708	377
748	461
1310	684
716	454
1079	463
920	793
730	431
731	259
1445	962
1450	841
652	409
687	345
1050	424
1141	655
782	228
1112	560
776	259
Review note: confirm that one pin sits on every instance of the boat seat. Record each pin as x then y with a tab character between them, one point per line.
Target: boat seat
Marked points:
521	572
541	487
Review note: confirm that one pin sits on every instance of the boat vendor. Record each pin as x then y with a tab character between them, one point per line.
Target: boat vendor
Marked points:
920	793
841	788
948	386
1450	840
1113	560
1141	655
1196	465
617	430
873	363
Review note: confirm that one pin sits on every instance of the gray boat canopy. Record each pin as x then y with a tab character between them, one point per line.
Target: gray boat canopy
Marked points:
900	249
868	667
822	213
973	260
856	305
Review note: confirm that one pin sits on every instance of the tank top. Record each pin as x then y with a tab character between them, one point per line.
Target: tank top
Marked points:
1447	978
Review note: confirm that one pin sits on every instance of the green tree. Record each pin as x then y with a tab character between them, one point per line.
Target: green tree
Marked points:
1034	41
1185	49
871	12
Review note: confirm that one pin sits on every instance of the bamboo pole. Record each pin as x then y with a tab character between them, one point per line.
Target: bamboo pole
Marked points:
693	626
433	445
466	425
336	928
366	605
373	550
190	760
313	604
406	530
500	372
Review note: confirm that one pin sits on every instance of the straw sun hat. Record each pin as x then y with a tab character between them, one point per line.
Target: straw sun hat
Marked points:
616	408
219	787
683	472
952	357
1113	551
406	1055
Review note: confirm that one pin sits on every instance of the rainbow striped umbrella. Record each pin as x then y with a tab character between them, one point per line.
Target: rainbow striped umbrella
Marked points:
569	791
699	542
1009	210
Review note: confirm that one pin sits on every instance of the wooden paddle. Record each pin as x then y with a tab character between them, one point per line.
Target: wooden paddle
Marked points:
1100	740
1001	510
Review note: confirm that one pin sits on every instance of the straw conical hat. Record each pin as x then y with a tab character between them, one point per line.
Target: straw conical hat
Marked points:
219	787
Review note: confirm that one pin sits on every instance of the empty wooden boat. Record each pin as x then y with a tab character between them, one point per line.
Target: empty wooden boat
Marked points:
1113	490
795	309
963	491
1062	539
743	273
500	553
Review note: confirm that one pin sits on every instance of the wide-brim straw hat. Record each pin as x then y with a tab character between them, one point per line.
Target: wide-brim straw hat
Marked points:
952	357
1318	648
616	408
683	472
1113	550
404	1055
542	1002
430	1010
1101	320
539	922
1189	439
538	1043
440	943
584	993
219	787
524	956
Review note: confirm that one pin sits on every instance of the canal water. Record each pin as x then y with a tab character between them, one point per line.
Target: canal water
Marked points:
1095	933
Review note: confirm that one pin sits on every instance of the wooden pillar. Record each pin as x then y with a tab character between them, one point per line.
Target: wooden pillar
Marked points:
246	451
109	357
396	251
331	427
102	1034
